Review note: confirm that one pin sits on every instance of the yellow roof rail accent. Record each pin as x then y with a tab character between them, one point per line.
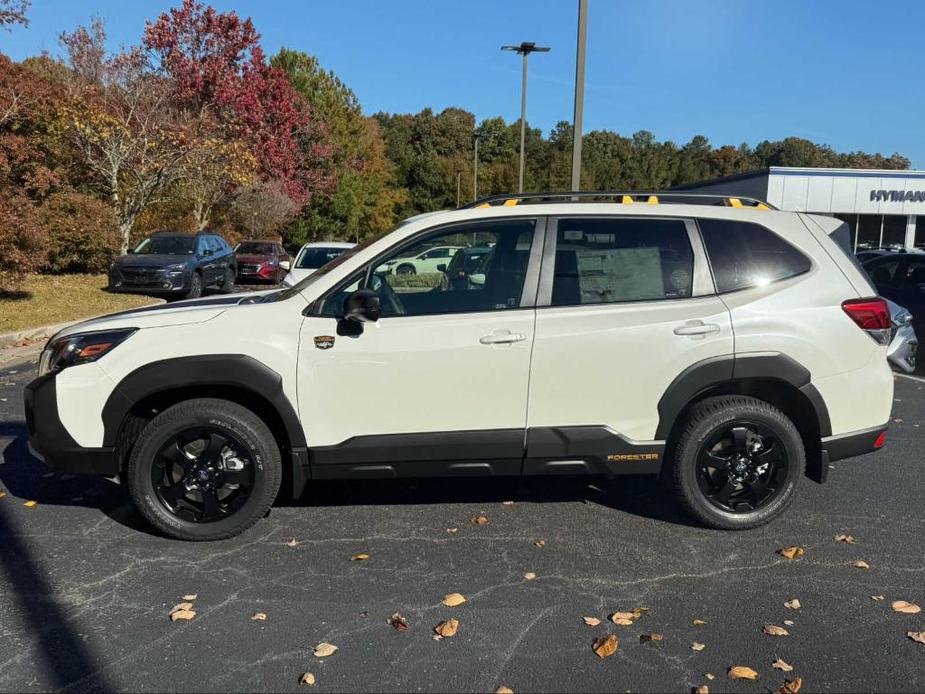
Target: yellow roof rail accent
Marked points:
511	202
484	204
734	202
762	206
653	200
626	200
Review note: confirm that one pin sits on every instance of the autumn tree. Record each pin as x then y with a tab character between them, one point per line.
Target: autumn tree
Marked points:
264	208
13	12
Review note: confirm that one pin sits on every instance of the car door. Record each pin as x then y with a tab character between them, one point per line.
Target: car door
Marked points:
908	289
439	384
206	259
625	305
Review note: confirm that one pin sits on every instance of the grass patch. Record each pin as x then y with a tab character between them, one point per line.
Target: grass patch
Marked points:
49	299
425	280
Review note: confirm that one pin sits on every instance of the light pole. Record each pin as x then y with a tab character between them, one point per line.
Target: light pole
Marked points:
524	49
475	169
458	174
579	92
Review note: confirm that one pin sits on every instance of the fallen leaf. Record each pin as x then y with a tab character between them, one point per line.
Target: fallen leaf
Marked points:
648	638
710	676
182	606
697	646
398	622
259	617
453	599
507	503
788	622
452	530
182	614
791	686
191	596
702	689
478	520
292	543
774	630
529	576
359	557
624	619
917	636
781	665
308	678
794	552
699	622
447	628
639	611
31	504
847	539
323	650
740	672
592	621
878	598
540	543
605	646
905	607
793	604
861	564
504	690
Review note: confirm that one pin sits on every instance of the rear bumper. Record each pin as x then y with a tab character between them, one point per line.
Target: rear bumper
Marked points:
853	444
52	442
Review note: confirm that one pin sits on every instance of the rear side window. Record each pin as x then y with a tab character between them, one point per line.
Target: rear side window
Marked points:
746	255
601	261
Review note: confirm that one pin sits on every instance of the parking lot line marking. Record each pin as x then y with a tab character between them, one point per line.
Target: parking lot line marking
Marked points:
912	378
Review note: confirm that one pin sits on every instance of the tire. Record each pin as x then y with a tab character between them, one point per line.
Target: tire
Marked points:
153	476
713	457
195	287
227	286
405	269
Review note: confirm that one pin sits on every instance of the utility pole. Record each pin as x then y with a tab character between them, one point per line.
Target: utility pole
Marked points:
524	49
458	175
579	92
475	170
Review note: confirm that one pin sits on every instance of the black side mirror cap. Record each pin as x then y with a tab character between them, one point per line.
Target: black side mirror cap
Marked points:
362	306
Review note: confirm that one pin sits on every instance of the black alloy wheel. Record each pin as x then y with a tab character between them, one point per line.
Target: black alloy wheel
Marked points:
741	467
203	474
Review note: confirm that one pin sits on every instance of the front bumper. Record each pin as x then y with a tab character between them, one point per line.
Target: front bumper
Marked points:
49	438
153	281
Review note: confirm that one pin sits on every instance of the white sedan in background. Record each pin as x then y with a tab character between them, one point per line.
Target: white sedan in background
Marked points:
311	257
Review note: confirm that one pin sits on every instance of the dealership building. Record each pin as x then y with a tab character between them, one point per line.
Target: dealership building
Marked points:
882	208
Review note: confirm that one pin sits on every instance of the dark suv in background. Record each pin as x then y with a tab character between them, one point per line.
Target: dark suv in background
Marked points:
175	264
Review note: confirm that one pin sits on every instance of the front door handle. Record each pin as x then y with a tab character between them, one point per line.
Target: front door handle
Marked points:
696	327
502	338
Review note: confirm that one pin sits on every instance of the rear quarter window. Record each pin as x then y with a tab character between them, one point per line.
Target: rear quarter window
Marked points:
743	254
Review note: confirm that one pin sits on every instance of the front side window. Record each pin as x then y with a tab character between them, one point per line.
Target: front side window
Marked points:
601	261
745	255
409	284
314	258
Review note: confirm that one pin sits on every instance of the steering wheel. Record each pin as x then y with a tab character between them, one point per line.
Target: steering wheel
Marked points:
387	296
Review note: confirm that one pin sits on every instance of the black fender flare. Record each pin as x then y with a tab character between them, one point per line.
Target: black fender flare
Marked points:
235	370
717	372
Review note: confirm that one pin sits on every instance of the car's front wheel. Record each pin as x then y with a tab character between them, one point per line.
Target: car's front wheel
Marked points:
737	462
204	469
195	287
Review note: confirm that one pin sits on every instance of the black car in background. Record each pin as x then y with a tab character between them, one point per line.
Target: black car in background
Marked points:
176	264
900	277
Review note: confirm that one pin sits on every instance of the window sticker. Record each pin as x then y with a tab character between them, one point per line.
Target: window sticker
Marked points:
619	274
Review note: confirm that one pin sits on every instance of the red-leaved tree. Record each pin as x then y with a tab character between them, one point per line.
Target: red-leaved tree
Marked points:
215	67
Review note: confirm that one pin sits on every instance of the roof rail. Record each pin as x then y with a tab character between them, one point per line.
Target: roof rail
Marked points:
651	197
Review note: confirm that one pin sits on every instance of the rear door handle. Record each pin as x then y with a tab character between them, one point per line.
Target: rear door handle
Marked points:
502	338
696	328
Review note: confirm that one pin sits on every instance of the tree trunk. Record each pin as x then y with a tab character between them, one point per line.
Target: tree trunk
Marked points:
125	229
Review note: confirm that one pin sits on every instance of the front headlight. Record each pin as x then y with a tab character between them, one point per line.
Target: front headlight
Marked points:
178	267
80	348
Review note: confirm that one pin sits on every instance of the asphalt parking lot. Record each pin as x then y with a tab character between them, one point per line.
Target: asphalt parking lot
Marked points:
87	588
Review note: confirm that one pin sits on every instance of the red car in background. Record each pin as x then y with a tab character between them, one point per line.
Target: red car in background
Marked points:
261	261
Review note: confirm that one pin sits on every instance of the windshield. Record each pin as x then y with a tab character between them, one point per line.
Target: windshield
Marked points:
166	245
345	254
316	257
252	248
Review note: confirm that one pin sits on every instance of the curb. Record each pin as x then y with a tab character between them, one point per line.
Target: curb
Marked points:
10	339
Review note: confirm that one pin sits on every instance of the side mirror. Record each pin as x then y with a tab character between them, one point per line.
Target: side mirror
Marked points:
362	306
477	278
441	267
284	264
207	251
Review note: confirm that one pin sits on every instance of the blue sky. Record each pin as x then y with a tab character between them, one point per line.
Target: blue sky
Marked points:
842	72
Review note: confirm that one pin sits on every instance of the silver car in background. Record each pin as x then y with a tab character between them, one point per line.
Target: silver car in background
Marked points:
904	345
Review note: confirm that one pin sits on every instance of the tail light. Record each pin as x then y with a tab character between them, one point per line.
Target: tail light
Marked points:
870	315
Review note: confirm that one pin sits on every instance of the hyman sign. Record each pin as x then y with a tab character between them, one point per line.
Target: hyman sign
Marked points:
897	196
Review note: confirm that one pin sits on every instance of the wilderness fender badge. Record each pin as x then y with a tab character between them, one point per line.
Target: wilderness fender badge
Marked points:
324	341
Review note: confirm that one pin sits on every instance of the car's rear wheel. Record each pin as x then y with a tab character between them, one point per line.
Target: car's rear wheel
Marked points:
195	286
204	469
737	462
228	282
405	269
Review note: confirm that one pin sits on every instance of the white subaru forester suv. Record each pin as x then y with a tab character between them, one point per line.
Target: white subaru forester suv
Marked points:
731	347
